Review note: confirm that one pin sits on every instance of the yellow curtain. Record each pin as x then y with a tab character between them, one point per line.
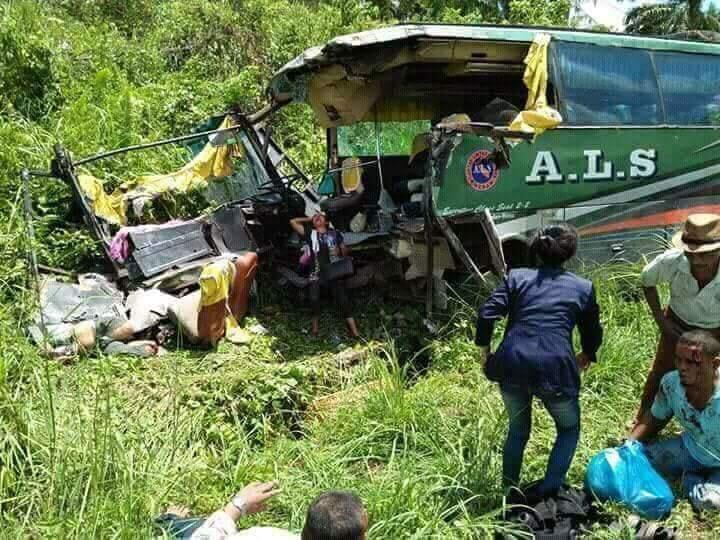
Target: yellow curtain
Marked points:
211	163
537	116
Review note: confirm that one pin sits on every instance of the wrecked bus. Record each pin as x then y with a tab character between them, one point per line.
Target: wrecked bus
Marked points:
447	146
637	149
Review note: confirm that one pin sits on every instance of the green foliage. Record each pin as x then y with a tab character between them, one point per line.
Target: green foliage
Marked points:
551	13
28	82
97	448
674	16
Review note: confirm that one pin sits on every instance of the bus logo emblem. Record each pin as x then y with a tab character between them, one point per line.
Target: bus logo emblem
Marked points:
481	172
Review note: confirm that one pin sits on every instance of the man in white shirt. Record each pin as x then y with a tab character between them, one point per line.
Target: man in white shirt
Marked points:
691	270
333	515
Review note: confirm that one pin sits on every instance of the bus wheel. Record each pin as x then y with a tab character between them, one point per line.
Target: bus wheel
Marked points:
516	252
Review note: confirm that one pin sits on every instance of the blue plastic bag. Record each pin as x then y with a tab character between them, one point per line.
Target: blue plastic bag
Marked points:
625	475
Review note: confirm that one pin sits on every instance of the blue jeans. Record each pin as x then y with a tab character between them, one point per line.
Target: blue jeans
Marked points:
565	412
699	483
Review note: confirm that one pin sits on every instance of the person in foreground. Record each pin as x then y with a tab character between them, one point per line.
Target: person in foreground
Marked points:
333	515
691	395
691	269
324	245
536	355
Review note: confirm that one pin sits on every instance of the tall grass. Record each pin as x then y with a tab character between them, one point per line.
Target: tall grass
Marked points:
97	448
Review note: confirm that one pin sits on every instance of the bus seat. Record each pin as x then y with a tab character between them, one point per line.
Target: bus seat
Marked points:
351	177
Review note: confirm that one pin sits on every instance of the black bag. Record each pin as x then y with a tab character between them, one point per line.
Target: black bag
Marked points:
341	268
563	516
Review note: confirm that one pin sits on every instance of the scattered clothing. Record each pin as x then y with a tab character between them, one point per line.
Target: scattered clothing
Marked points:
566	515
120	245
696	307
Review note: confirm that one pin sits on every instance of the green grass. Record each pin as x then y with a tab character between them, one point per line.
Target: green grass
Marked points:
97	448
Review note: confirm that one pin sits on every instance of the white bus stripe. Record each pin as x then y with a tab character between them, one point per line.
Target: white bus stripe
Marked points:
521	225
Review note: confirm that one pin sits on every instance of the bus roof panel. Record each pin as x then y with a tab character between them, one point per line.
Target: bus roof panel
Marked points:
284	83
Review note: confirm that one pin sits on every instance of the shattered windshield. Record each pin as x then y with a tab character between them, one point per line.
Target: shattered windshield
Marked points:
244	182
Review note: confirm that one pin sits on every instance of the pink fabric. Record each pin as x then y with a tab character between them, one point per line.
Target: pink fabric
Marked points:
305	257
120	244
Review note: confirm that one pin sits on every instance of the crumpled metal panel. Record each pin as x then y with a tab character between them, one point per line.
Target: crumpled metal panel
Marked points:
159	250
94	298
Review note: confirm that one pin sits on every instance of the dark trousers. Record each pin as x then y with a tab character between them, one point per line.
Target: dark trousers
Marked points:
337	291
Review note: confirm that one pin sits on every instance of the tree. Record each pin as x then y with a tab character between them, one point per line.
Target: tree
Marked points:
675	16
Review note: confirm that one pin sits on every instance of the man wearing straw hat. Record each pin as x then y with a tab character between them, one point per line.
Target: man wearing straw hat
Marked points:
691	270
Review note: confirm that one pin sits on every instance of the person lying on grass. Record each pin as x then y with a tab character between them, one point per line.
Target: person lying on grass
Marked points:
333	515
692	269
692	395
536	356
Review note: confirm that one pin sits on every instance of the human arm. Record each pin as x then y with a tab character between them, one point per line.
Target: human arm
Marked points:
665	325
249	500
298	224
591	332
496	307
659	270
648	427
342	246
654	420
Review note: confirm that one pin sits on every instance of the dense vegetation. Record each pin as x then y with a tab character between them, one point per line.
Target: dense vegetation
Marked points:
96	448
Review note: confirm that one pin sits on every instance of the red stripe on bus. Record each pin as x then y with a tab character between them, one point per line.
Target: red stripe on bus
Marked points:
671	217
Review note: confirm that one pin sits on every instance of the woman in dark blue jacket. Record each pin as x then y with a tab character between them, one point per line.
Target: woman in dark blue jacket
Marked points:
536	358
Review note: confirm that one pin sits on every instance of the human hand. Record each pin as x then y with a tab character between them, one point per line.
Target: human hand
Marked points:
583	360
251	499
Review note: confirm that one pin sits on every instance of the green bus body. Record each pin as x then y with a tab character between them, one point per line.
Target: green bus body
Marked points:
638	148
567	167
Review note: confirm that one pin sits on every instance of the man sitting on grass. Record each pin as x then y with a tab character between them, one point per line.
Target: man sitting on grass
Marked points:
333	515
692	395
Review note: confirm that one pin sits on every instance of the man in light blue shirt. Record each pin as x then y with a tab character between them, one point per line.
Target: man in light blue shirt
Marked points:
691	394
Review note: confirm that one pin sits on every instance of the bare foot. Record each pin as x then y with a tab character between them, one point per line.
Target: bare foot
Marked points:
179	511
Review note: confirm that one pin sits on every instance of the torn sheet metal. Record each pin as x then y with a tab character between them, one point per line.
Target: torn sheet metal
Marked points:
93	298
157	250
442	259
